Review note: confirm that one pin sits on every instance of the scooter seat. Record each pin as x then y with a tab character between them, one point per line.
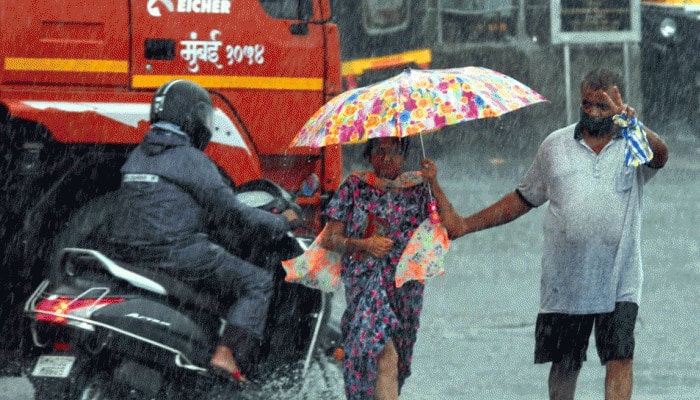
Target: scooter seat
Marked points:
176	289
150	279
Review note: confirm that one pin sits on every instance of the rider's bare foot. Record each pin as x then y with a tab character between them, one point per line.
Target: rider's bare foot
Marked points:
223	362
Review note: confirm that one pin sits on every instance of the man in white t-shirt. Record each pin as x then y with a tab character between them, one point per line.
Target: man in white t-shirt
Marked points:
591	262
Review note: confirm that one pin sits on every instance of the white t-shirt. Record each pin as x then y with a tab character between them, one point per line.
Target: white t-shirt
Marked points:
592	255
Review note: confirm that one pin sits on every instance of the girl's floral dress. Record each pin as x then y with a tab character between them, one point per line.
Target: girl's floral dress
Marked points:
376	309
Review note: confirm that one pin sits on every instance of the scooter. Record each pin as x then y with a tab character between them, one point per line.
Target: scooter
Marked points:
109	330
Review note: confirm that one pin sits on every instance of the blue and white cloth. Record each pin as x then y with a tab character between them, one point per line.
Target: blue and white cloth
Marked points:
637	151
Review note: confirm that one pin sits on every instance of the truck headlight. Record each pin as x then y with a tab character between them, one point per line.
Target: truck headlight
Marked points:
667	28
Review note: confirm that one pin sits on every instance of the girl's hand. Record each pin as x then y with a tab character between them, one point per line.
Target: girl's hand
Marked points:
378	246
429	169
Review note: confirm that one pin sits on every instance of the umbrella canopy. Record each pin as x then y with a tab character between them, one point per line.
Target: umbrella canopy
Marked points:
413	102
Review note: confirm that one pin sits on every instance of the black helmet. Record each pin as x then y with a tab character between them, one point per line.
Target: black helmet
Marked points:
187	105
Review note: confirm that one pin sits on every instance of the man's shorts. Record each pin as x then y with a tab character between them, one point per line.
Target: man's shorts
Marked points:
563	338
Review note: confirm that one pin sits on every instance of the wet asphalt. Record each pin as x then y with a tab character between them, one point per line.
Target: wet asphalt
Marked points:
477	328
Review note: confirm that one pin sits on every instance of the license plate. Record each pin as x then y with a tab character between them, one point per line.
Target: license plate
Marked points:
53	366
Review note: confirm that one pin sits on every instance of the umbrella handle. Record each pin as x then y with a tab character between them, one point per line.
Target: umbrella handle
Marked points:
433	212
432	204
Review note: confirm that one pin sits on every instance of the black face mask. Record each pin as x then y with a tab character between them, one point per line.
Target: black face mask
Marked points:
596	126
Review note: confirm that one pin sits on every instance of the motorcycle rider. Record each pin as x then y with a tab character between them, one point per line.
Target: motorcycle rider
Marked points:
170	191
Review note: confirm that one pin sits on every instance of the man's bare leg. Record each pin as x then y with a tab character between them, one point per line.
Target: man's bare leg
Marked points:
562	381
618	380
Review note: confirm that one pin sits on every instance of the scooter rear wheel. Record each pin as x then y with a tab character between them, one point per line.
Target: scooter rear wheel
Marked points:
98	387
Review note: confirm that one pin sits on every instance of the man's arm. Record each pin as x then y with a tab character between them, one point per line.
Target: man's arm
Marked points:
659	147
449	216
508	208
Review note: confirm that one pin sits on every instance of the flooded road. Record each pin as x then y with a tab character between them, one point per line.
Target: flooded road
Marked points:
476	337
477	334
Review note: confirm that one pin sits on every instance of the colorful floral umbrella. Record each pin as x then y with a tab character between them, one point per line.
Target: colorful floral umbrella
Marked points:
415	101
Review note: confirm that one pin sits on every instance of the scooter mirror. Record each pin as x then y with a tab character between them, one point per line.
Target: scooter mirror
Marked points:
256	198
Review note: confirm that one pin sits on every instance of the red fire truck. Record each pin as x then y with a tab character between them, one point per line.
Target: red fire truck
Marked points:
77	78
